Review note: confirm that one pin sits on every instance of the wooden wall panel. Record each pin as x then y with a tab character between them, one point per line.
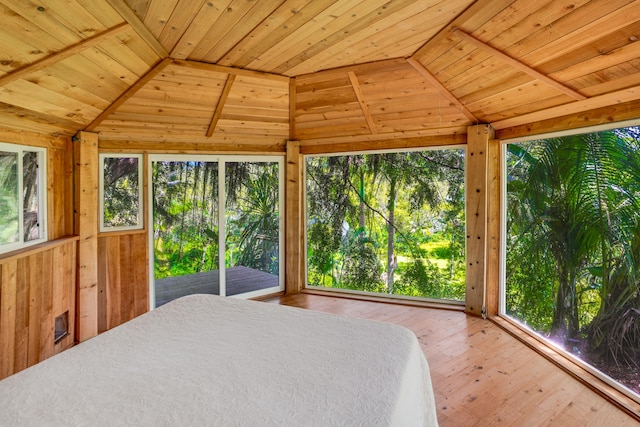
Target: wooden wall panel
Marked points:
38	283
123	278
35	288
60	192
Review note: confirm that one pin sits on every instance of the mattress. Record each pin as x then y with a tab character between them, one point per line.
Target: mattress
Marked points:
209	360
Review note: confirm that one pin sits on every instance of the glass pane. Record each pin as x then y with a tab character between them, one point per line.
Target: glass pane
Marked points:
388	223
30	193
9	198
185	227
121	192
573	245
252	217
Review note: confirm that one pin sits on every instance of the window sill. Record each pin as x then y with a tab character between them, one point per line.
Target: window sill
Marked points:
386	298
34	249
584	373
112	233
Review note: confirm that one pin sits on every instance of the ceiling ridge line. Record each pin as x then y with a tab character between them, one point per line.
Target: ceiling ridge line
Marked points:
138	26
443	90
459	19
129	93
519	65
228	70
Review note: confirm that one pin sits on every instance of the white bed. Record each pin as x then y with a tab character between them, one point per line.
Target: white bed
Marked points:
208	360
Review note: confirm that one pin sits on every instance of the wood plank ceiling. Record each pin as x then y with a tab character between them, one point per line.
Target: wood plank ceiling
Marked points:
261	72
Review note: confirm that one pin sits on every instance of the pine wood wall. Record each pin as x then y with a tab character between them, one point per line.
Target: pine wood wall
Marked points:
123	278
38	284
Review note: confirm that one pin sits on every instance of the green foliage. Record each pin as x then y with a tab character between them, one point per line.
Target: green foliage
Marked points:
361	269
573	235
121	191
9	197
366	212
423	278
186	217
253	227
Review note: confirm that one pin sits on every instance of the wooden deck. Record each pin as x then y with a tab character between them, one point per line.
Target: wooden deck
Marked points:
482	376
239	280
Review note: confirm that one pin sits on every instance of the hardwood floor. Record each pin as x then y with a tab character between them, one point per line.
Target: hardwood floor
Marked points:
483	376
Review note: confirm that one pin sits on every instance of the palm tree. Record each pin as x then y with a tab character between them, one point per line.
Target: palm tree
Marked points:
258	222
573	205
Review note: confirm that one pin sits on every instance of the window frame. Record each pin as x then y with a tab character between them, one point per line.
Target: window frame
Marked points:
600	381
454	304
42	188
101	161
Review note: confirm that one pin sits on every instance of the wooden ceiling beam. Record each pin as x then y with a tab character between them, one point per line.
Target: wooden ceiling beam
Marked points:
129	15
229	70
363	105
221	102
479	8
517	64
64	53
609	99
129	93
395	140
443	90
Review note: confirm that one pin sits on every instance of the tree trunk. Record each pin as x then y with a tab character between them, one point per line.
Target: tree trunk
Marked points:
559	324
565	324
362	218
184	181
391	264
452	261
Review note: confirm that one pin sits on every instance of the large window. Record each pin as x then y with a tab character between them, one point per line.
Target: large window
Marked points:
388	223
120	192
22	196
573	246
217	225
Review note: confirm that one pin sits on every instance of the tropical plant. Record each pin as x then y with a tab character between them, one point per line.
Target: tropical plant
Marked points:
185	217
573	241
257	220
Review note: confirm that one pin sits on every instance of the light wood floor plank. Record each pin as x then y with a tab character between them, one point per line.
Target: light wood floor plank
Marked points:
482	376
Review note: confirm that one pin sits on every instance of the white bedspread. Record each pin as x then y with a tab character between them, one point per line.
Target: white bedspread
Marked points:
207	360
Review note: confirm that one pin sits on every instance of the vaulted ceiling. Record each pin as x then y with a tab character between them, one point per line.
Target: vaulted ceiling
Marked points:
321	71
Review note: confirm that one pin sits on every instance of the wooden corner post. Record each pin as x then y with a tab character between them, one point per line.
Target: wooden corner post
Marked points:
86	227
293	212
478	137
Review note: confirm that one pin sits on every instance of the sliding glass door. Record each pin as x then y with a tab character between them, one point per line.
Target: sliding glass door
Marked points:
217	227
